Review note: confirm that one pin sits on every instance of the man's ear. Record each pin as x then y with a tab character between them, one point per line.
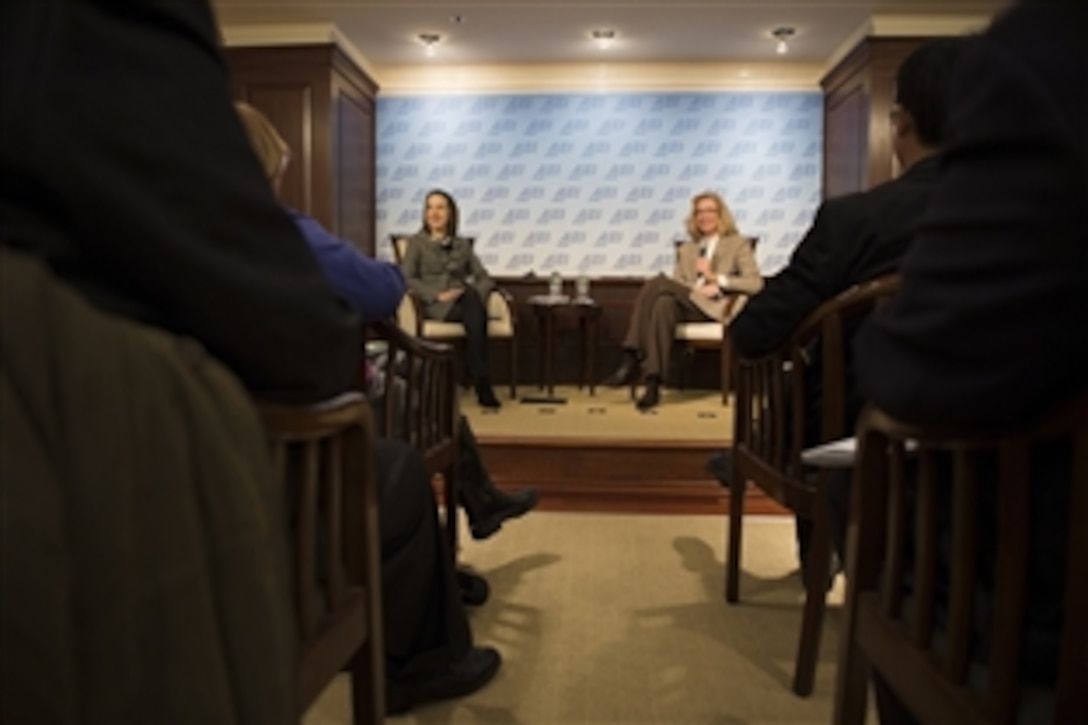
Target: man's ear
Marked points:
904	124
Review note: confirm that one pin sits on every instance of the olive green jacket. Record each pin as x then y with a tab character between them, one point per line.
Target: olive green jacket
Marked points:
143	543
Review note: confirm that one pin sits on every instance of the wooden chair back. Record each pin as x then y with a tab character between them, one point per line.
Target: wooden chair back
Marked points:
771	418
325	455
419	403
898	523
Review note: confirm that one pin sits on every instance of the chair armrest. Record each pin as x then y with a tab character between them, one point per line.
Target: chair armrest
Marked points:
412	345
298	422
734	306
410	315
859	298
500	308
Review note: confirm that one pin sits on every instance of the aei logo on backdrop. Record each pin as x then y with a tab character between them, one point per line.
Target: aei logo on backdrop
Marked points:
594	183
536	239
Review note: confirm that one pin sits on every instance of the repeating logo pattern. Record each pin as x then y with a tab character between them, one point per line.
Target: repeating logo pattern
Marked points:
601	184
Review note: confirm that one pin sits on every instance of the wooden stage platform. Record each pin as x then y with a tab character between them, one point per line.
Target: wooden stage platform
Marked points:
597	453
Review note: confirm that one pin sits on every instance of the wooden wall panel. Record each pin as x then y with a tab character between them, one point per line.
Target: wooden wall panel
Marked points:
846	141
355	182
858	97
323	105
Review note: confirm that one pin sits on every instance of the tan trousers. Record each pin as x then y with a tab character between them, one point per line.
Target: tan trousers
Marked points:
662	303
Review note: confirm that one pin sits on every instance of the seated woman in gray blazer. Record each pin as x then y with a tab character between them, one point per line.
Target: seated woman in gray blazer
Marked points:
712	266
444	272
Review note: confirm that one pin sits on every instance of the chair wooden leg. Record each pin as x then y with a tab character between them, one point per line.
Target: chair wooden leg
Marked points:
513	368
852	676
451	496
732	555
727	363
808	649
367	686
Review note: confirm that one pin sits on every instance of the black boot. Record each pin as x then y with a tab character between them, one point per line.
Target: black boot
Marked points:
474	588
464	677
651	396
626	373
485	394
488	508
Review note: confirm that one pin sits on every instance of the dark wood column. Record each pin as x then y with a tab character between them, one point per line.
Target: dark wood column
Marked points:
323	105
858	96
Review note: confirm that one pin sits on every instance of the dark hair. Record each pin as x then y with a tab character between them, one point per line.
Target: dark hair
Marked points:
923	85
451	226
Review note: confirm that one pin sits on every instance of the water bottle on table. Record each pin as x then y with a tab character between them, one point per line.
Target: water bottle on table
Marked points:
555	286
581	288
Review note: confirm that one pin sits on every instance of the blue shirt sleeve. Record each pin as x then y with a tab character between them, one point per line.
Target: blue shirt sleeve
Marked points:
373	288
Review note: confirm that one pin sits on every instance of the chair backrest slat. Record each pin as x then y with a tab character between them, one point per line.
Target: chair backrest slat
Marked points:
332	496
963	565
897	530
1010	577
925	549
306	536
967	601
1072	685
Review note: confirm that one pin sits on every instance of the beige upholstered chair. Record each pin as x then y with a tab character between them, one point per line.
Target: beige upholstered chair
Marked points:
501	325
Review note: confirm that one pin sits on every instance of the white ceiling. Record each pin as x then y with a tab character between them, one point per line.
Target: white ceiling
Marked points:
558	31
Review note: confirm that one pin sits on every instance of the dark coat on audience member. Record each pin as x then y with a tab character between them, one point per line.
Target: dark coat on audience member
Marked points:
186	233
853	238
990	327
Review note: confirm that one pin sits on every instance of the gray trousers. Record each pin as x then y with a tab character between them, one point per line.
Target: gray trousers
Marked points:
662	303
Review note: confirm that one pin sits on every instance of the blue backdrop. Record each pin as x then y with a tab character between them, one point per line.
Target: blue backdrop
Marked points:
600	184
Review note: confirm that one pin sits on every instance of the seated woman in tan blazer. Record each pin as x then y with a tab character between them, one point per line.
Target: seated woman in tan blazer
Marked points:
444	272
715	264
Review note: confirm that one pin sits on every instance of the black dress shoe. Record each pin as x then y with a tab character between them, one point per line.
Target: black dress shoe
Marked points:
485	395
463	677
474	588
625	374
499	507
720	465
651	396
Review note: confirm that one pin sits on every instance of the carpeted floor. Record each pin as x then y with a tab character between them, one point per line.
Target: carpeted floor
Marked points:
621	619
689	415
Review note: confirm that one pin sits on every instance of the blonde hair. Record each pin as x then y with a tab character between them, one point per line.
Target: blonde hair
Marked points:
727	225
266	141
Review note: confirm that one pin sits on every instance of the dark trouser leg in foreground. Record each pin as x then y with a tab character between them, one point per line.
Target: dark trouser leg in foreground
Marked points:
428	644
487	507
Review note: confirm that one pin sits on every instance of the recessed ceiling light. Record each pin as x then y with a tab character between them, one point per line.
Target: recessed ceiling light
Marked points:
604	37
782	35
430	42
